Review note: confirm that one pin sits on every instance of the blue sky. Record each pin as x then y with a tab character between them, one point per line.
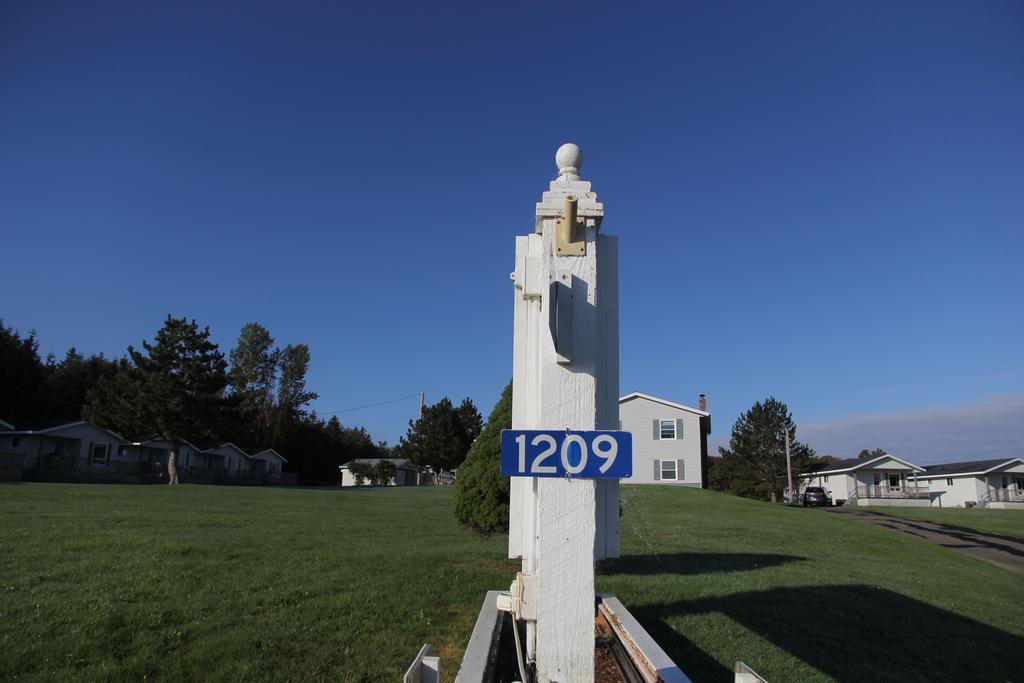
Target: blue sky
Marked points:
823	202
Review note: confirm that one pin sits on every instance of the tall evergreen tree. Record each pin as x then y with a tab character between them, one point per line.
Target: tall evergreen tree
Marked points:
470	421
175	388
756	457
441	438
481	493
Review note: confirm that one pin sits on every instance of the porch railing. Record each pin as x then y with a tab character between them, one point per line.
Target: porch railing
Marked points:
886	491
1008	495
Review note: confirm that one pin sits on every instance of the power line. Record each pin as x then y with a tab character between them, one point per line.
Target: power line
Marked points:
373	422
373	405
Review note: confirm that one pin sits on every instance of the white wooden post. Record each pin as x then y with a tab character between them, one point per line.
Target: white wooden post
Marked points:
559	526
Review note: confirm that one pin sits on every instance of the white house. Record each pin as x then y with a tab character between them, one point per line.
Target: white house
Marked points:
151	454
986	483
228	458
670	440
885	480
74	450
406	473
268	462
65	445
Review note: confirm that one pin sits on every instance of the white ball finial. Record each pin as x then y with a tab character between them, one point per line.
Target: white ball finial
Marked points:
569	159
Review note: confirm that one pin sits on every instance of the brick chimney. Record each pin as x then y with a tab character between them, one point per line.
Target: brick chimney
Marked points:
702	403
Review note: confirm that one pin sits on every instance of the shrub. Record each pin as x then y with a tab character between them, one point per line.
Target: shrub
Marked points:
481	493
384	472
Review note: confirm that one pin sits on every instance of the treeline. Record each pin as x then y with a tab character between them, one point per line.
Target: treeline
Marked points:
35	389
181	386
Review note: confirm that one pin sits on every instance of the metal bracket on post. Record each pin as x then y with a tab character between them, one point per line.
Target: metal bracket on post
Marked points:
569	235
560	315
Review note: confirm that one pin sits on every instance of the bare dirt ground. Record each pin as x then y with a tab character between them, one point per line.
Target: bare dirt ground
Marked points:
1001	550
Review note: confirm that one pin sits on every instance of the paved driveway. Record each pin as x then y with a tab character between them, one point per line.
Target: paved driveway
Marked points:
1001	550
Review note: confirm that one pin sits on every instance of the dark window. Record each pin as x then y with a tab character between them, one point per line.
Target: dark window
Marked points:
100	453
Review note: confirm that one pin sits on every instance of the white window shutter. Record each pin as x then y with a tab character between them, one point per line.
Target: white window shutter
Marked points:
679	428
657	430
657	470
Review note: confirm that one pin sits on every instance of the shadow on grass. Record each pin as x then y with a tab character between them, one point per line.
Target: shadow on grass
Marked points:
1001	542
693	563
850	633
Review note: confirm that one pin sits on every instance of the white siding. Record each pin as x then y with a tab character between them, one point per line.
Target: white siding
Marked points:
83	437
637	416
963	490
838	485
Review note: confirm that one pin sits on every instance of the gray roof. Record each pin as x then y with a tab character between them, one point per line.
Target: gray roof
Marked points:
836	465
851	464
964	467
32	427
40	425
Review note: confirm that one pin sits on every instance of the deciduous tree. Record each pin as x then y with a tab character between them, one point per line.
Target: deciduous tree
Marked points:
253	376
292	395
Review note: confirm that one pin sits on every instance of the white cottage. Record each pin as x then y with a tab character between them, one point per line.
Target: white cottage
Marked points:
268	462
995	483
885	480
228	459
68	445
151	455
406	473
670	440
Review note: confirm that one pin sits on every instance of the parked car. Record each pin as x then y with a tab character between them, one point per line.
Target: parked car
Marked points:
815	495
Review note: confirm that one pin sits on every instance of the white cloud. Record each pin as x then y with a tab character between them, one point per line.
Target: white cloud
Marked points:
992	427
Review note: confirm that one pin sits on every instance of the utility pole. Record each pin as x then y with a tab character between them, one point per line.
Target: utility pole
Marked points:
421	405
789	471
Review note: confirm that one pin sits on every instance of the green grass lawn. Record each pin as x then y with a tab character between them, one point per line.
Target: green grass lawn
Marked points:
1008	522
230	583
802	595
224	583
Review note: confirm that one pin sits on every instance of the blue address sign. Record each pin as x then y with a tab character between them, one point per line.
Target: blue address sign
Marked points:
548	453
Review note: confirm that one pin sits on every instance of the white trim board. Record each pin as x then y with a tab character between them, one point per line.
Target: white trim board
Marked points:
863	464
978	473
637	394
